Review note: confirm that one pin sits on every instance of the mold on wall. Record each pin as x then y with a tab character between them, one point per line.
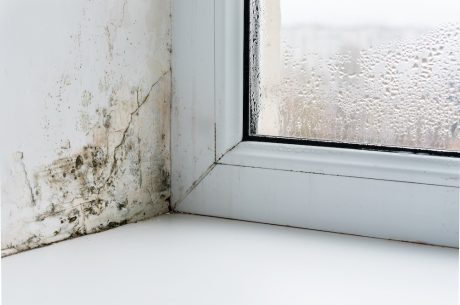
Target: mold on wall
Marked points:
85	112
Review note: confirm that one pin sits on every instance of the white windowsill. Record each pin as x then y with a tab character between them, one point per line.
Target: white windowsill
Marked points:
395	196
184	259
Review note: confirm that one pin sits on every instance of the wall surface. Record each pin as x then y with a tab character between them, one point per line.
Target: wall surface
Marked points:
85	106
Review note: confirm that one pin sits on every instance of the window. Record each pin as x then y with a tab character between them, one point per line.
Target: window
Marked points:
369	74
220	169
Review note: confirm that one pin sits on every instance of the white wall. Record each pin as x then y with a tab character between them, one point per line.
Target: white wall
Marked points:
85	102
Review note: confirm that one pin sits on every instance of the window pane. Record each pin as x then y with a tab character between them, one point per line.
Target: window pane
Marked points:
378	72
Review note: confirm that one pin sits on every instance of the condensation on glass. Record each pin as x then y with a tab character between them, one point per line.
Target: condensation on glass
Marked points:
376	72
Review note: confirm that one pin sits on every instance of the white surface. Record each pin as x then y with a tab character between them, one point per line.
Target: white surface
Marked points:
207	69
403	167
391	195
192	112
179	259
368	207
229	27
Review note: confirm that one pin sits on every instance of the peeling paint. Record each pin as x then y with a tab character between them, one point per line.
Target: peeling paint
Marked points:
112	167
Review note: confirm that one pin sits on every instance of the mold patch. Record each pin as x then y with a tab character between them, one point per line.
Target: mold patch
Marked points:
92	137
123	178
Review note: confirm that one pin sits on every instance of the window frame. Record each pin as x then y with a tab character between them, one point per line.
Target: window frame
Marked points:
215	171
247	136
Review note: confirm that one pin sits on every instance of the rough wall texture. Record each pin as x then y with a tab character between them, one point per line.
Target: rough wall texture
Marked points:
85	102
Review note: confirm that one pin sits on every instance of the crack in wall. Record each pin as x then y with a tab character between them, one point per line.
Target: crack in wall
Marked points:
19	157
123	138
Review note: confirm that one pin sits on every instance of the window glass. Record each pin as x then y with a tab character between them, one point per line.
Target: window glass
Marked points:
377	72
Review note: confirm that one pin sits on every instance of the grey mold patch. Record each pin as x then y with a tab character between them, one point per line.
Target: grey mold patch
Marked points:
99	151
122	179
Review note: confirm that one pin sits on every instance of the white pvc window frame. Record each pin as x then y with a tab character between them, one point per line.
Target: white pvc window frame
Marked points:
389	195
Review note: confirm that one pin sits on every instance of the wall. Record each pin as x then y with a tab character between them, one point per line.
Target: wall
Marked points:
85	105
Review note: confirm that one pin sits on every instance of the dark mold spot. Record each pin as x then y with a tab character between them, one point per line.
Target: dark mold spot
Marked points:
122	205
76	234
96	172
78	162
114	224
94	207
107	119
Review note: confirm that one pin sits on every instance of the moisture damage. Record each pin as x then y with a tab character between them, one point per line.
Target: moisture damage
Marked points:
122	177
90	149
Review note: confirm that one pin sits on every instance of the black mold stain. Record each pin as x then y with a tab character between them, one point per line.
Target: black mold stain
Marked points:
95	207
122	205
164	180
107	119
83	186
114	224
77	234
78	162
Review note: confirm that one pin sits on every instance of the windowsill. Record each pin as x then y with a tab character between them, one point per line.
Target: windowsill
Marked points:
184	259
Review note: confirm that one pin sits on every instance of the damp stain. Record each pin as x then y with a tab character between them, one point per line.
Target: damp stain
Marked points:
107	124
122	177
